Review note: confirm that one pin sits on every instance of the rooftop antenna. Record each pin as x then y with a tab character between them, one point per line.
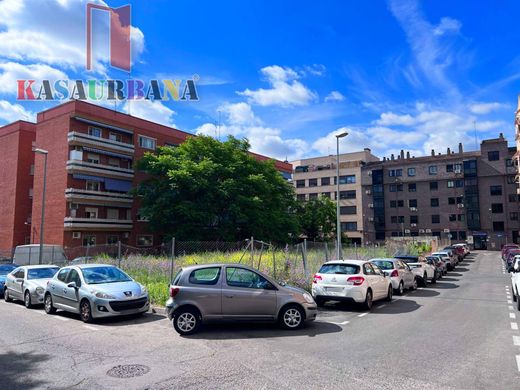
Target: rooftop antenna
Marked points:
475	130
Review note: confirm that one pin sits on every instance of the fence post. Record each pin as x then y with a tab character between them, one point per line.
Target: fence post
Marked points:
326	251
119	253
304	257
172	259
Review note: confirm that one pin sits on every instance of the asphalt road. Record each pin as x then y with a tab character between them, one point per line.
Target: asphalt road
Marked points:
457	334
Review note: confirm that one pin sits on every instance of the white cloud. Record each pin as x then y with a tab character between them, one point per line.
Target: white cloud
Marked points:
447	25
10	72
54	32
390	119
10	112
285	89
314	70
335	96
485	108
154	111
239	113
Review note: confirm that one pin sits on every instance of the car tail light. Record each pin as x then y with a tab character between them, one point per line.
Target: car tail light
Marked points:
174	291
316	278
355	280
394	274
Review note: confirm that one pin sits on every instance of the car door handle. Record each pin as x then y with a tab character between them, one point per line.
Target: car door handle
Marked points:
229	296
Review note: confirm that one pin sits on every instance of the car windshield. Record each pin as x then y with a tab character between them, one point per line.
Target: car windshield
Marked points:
383	264
101	275
342	269
41	273
410	260
4	270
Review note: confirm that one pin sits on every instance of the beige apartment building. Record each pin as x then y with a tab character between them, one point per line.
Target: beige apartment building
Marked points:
314	177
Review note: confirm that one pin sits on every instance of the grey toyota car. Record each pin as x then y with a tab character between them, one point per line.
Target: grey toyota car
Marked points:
95	291
213	292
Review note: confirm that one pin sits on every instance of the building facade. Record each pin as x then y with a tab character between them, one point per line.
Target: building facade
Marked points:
314	177
90	171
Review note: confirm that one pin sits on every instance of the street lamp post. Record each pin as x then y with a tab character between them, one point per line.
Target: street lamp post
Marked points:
44	153
338	222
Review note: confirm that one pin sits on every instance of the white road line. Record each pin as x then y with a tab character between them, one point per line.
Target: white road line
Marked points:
510	302
516	341
335	323
90	327
362	314
380	307
514	326
511	308
518	362
512	316
61	318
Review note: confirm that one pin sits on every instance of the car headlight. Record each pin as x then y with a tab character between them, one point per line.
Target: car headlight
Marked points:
40	290
144	291
308	298
103	295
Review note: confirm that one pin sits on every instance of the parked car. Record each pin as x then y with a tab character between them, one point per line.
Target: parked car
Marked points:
514	269
465	248
420	268
95	291
30	255
448	258
511	253
438	264
4	270
213	292
399	272
441	263
28	283
351	281
506	248
457	250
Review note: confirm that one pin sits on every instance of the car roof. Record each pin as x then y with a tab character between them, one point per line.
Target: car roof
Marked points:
347	261
91	265
384	259
197	266
406	257
39	266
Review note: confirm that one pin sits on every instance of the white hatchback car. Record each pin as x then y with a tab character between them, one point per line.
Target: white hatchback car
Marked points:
351	281
515	280
399	272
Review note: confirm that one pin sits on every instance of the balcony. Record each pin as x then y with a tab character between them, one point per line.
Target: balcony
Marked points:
83	167
72	223
81	196
82	139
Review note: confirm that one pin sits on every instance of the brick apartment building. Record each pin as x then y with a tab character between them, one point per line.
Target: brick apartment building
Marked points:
90	169
313	177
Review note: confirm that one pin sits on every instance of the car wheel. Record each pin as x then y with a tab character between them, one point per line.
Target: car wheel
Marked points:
434	279
291	317
514	294
186	321
390	294
85	311
7	298
424	280
414	284
368	300
48	306
401	288
27	300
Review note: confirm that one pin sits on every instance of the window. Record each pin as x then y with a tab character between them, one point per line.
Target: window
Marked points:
91	212
434	202
495	190
62	275
31	192
451	200
449	167
434	186
112	213
367	269
412	203
94	132
146	142
498	226
114	137
412	187
145	240
398	203
395	187
453	217
497	208
114	162
349	226
205	276
348	210
432	169
414	219
313	196
511	180
349	179
397	219
31	171
112	240
411	171
300	183
74	278
313	182
326	194
76	235
460	200
325	181
93	158
451	184
92	185
494	155
89	240
300	197
347	194
460	217
459	183
240	277
513	216
395	172
436	218
513	197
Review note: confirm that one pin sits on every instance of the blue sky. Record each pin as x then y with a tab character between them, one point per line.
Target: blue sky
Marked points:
288	76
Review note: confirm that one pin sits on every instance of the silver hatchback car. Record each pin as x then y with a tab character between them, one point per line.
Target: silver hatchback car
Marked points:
95	291
213	292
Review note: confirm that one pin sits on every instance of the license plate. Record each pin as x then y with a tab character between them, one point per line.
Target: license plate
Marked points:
333	289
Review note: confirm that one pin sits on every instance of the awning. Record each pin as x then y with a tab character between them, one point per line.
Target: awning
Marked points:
105	125
117	185
89	177
104	152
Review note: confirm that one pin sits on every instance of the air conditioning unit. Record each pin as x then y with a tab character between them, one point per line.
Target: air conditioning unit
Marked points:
446	230
460	205
428	230
457	170
371	205
368	192
413	225
370	219
413	208
76	235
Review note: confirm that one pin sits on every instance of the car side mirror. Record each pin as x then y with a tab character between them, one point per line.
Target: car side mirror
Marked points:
72	285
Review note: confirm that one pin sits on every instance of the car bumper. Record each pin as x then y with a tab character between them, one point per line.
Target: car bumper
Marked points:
102	308
311	311
395	283
36	298
343	293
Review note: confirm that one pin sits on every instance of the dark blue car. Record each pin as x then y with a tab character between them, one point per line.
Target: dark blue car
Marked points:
4	270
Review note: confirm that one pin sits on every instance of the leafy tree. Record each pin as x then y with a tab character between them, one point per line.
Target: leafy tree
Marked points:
211	190
317	218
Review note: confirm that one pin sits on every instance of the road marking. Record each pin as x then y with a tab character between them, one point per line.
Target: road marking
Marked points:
512	315
518	362
362	314
380	307
516	341
514	326
335	323
61	318
90	327
511	308
510	302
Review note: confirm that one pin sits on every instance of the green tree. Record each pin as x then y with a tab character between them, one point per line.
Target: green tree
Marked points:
317	218
211	190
